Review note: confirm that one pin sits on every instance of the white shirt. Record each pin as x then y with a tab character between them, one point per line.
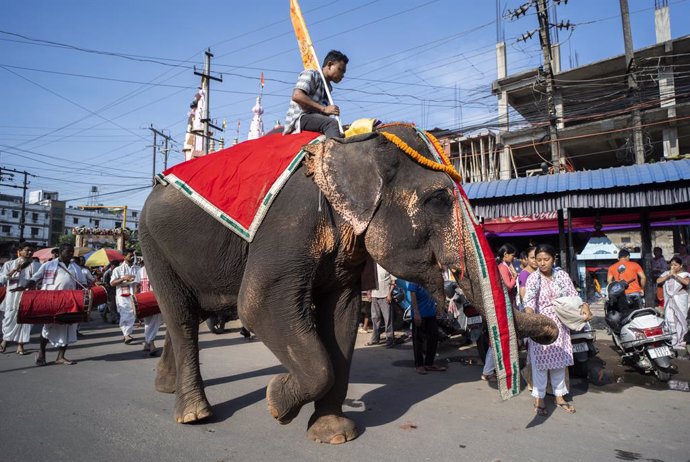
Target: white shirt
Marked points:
20	278
383	283
56	276
123	270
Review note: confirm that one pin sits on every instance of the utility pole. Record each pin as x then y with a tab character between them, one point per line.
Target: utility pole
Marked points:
166	149
22	217
545	40
206	77
633	89
548	69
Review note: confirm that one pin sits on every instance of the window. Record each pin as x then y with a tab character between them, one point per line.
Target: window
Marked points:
3	211
15	214
625	239
35	231
76	221
5	229
134	214
97	223
34	217
118	224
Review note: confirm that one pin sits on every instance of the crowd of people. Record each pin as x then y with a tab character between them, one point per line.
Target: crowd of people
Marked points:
64	271
533	282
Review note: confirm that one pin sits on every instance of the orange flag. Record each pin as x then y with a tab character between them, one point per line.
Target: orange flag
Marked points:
305	46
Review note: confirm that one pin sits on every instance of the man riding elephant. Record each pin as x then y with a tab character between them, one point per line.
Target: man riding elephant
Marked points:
350	198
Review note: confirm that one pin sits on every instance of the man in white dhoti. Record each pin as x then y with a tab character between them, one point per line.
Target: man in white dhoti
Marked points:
151	323
16	273
58	274
124	278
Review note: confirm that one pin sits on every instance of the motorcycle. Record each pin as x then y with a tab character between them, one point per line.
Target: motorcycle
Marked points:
216	321
469	322
640	334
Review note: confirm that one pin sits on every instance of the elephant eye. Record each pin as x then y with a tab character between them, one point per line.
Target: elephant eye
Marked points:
438	202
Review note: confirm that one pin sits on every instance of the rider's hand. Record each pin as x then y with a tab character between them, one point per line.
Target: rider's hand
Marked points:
331	109
417	320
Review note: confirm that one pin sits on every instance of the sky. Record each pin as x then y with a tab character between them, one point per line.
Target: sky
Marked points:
83	80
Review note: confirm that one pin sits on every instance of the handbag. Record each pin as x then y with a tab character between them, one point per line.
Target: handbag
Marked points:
568	311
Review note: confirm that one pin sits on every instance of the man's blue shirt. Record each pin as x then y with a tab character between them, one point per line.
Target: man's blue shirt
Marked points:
425	302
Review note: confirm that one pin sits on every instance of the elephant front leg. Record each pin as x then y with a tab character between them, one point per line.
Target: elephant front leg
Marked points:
166	374
286	327
337	326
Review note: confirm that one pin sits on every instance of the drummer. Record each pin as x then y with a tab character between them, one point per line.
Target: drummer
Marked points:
58	274
124	278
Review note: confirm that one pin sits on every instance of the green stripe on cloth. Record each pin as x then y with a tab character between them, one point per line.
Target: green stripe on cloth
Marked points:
234	224
478	249
498	351
184	187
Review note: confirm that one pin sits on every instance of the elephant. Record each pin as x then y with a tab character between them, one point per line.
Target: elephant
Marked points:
297	284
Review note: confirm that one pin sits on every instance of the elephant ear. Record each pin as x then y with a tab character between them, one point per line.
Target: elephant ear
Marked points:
348	174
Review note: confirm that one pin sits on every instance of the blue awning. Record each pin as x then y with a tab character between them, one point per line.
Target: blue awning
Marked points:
583	181
632	187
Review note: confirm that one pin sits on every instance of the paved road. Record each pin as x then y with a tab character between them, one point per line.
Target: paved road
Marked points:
105	409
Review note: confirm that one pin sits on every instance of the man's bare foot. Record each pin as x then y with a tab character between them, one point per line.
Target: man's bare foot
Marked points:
147	346
3	346
65	361
40	361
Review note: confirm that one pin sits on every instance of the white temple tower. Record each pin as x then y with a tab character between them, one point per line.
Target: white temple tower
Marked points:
256	128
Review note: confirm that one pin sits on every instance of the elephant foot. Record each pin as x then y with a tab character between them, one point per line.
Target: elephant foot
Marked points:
281	397
165	382
188	410
332	429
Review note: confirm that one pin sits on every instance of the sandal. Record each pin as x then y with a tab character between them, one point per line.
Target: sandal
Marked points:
489	377
40	362
421	370
21	352
372	343
129	339
567	407
540	411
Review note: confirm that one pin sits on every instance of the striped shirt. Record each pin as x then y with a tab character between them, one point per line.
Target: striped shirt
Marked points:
311	83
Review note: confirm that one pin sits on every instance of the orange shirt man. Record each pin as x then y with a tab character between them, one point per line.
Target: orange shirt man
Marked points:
633	274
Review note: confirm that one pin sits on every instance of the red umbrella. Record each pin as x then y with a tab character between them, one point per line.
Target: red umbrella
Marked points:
44	255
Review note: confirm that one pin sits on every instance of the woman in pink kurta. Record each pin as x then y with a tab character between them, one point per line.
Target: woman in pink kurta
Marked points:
542	288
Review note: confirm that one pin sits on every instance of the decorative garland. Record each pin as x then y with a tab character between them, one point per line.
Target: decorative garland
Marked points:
420	159
84	231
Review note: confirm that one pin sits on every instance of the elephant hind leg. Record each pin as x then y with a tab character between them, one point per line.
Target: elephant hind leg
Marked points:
178	370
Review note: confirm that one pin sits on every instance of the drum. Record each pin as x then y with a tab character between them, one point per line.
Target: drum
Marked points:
145	304
58	306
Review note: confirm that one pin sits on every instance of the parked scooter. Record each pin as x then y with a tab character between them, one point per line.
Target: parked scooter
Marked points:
583	349
640	333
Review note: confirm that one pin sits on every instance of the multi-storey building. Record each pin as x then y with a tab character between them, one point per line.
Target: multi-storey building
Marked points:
47	218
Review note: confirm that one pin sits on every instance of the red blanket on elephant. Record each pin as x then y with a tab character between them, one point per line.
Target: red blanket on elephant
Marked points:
58	306
237	185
